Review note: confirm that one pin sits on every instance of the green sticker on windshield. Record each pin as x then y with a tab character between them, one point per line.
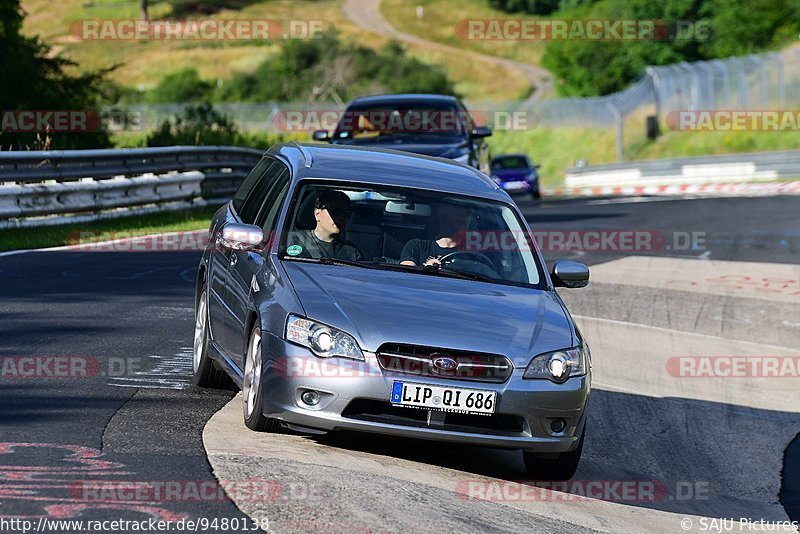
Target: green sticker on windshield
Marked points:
294	250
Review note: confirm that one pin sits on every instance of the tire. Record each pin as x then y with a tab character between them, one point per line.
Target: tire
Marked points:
561	468
252	391
206	375
536	194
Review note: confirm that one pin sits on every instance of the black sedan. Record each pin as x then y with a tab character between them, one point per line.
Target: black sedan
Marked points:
432	125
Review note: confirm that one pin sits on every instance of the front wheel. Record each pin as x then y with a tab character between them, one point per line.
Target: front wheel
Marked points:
254	417
561	468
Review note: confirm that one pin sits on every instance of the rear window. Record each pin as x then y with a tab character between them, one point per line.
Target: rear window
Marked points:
510	163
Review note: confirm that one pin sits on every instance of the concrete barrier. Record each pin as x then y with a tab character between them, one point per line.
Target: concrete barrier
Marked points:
727	168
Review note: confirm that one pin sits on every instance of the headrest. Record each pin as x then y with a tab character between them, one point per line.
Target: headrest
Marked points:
305	214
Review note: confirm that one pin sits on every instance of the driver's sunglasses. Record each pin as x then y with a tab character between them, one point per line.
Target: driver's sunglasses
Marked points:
338	212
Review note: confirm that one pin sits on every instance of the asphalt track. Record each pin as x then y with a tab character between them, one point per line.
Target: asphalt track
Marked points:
722	441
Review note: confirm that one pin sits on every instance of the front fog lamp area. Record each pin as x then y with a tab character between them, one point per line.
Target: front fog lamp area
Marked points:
324	341
557	366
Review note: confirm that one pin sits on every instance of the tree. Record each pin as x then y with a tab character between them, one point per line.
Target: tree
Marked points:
32	80
143	8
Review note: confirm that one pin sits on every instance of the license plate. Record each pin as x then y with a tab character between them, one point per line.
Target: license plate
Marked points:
515	186
443	398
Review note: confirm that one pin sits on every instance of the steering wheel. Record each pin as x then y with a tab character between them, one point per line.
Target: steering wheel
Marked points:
475	257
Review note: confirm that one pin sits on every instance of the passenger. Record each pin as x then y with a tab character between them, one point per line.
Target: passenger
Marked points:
453	223
331	211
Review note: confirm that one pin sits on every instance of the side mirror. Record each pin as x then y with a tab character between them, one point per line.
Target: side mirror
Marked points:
571	274
241	237
320	135
481	131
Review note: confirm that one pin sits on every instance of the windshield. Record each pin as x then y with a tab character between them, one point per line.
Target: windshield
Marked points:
510	162
421	232
401	119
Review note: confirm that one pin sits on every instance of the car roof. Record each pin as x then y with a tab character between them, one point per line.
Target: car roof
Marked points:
384	167
402	97
503	156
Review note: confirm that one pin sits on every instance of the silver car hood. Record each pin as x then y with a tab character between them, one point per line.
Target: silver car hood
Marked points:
377	306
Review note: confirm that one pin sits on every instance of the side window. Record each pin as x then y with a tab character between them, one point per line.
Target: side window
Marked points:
252	205
269	214
249	182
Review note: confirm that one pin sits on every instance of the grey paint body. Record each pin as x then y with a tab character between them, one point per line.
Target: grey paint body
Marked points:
377	307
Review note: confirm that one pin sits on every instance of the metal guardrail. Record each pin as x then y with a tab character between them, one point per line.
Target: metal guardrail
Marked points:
758	166
44	183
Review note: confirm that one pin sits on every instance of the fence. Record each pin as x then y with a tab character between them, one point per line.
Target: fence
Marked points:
34	184
766	81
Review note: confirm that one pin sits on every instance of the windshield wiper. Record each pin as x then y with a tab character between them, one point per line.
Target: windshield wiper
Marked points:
422	269
335	261
468	275
436	271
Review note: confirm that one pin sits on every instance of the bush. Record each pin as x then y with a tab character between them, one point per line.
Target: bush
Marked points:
535	7
325	68
181	86
195	125
204	125
182	8
590	68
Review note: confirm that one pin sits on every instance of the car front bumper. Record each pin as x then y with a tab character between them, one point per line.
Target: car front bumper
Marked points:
289	370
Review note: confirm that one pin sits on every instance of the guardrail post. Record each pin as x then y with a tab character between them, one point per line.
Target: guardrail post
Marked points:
618	126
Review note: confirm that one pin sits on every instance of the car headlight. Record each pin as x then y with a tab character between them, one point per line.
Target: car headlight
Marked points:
323	340
462	159
558	365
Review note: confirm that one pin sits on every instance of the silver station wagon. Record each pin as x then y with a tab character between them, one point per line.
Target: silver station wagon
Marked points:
380	291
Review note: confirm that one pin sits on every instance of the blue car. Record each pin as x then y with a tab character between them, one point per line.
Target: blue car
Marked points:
516	174
381	291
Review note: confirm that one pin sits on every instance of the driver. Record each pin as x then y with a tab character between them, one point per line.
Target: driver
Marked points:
453	222
331	211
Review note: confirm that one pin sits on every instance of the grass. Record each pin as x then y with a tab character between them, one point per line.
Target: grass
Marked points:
557	148
142	64
54	236
440	21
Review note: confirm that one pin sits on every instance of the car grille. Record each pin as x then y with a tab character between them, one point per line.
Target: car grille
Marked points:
420	361
385	412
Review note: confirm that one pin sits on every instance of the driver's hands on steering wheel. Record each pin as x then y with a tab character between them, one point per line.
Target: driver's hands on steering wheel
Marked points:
431	261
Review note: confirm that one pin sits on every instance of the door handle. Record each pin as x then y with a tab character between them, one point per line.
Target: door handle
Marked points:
234	259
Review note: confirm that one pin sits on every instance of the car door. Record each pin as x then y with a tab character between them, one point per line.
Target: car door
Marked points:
245	265
243	211
220	257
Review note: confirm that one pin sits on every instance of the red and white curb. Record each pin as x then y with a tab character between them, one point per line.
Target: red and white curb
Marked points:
710	189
